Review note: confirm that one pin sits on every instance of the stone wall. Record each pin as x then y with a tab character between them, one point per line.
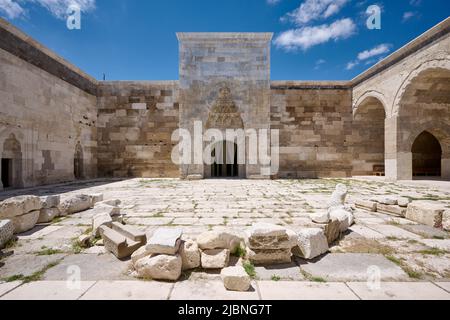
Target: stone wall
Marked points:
237	62
135	124
42	119
315	123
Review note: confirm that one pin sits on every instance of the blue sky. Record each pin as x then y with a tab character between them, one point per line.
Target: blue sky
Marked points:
313	39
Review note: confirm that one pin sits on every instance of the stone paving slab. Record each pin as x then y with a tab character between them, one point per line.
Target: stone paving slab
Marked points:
128	290
426	231
27	264
444	285
271	290
280	272
93	267
5	287
207	289
394	232
48	290
400	291
353	267
366	232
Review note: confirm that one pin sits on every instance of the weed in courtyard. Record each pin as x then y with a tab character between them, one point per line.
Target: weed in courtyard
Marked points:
433	252
77	248
158	215
438	237
312	278
276	278
48	252
239	252
11	243
57	220
250	269
36	276
365	246
408	270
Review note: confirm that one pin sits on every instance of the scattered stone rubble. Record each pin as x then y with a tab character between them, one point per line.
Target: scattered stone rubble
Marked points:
6	232
122	240
430	213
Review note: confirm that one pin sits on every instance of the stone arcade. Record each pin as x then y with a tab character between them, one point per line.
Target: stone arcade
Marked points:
58	124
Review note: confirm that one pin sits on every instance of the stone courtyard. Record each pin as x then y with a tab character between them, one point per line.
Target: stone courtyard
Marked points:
413	259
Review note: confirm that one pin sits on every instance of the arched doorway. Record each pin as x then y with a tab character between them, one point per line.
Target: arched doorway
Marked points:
11	165
423	130
426	156
228	155
225	155
78	169
368	138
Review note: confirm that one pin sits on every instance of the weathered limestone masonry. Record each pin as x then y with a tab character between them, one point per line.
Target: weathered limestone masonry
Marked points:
135	124
236	62
412	86
47	115
59	124
314	120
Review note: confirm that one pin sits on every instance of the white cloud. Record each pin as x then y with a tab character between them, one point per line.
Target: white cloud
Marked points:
11	9
368	54
16	8
308	37
351	65
376	51
408	15
311	10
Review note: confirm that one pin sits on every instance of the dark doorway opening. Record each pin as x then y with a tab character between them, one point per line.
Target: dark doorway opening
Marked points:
226	164
6	173
427	154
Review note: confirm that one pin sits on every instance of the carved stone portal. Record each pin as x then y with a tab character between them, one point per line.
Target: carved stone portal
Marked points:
224	114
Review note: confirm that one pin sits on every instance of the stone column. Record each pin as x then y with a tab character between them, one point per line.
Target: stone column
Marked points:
445	167
398	163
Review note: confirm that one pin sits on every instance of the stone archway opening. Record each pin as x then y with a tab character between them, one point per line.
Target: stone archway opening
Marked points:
225	155
78	165
423	130
426	156
369	138
11	163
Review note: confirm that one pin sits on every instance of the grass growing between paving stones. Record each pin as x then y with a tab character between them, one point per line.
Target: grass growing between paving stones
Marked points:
312	278
432	252
408	270
250	269
364	245
276	278
239	252
36	276
48	252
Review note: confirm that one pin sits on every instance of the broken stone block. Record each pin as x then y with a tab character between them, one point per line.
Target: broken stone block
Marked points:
99	220
117	243
75	204
286	241
18	206
140	254
25	222
84	240
366	205
265	230
333	230
235	279
48	214
190	255
6	232
112	202
165	241
320	217
403	202
338	197
311	243
387	200
218	240
426	212
130	232
48	202
95	198
344	217
446	220
269	256
392	210
160	267
215	259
